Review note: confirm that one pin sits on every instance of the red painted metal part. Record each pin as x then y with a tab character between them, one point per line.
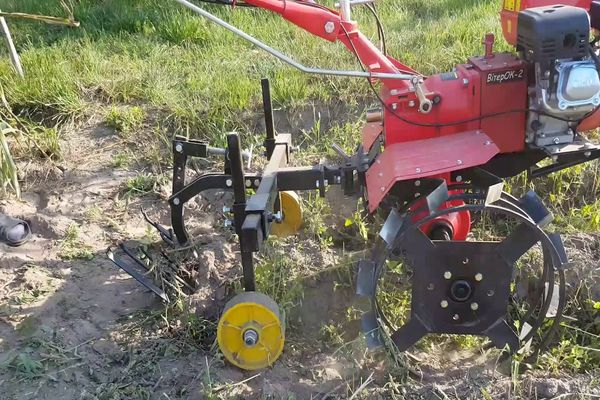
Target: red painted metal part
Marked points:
370	132
424	158
458	222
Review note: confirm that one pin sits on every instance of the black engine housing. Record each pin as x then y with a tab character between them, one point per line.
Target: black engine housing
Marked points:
546	34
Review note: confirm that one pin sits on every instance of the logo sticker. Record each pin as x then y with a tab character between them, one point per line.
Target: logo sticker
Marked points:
506	76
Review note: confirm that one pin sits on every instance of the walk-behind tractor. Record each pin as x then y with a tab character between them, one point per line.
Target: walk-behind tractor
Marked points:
431	162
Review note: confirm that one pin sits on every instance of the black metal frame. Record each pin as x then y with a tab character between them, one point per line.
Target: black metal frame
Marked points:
253	215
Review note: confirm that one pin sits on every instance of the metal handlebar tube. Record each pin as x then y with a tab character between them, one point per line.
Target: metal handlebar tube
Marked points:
287	59
345	12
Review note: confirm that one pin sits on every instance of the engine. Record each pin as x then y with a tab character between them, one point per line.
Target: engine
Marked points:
565	85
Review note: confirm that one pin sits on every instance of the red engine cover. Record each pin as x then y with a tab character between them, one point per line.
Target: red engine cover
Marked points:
489	93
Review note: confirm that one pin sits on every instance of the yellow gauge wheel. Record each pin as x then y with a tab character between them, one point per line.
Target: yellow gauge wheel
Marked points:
292	215
250	332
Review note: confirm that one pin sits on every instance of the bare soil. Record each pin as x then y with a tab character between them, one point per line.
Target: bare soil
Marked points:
82	329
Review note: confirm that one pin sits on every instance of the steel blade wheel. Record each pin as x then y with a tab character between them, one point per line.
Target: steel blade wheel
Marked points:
504	282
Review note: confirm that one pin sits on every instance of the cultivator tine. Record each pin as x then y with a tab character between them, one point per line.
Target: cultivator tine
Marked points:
371	329
130	269
409	334
502	335
533	206
366	280
437	196
556	240
166	235
391	228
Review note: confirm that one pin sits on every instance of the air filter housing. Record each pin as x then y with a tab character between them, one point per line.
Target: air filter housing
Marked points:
552	33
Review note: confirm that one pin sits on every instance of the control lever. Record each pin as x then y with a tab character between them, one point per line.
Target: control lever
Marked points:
425	104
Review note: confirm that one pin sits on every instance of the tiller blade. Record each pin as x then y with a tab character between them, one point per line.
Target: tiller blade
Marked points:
464	286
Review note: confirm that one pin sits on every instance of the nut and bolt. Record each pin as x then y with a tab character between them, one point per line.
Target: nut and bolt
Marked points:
228	182
248	183
176	201
459	178
465	261
226	210
329	27
179	147
456	317
447	275
411	103
459	162
228	223
430	287
444	303
417	183
478	277
556	141
418	170
490	293
474	306
250	337
394	106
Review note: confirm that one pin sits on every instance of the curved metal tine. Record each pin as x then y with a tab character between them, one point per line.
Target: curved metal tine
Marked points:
409	333
517	243
371	329
165	235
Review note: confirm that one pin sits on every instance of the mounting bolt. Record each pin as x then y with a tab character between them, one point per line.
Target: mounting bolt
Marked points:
458	178
418	170
256	182
490	293
465	82
179	147
478	277
488	142
278	217
329	27
226	210
456	317
447	275
248	183
466	261
554	158
394	106
411	103
459	162
176	201
228	182
474	306
417	183
587	153
228	223
430	287
556	141
444	304
317	184
250	337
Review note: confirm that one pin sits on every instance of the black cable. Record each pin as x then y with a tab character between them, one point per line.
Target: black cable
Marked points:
380	31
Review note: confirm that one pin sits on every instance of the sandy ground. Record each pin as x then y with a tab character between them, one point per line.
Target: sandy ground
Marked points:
82	329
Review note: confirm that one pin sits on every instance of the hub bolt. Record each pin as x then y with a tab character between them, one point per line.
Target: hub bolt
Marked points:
474	306
444	304
178	148
250	337
430	287
329	26
478	277
447	274
456	317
